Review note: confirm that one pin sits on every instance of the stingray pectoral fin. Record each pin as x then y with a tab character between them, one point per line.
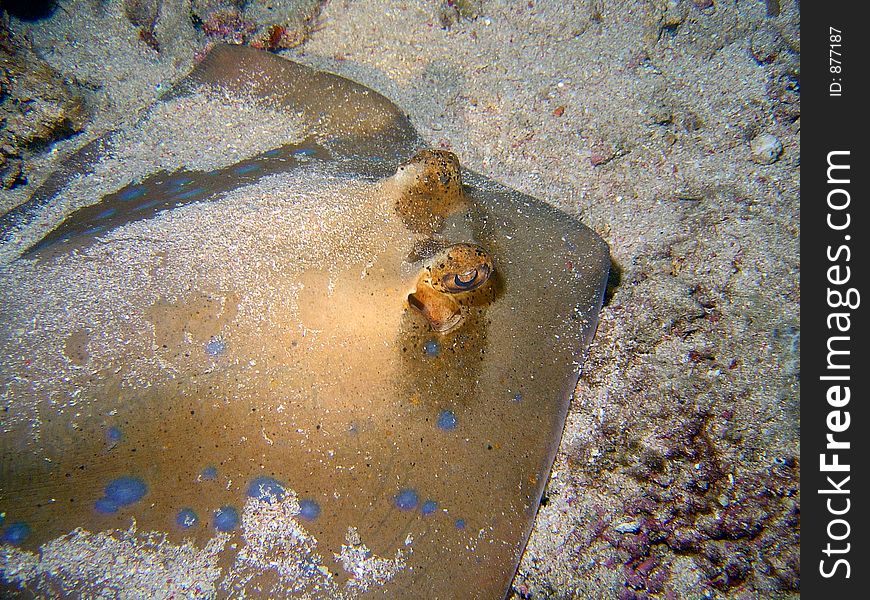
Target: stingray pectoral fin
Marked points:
441	310
331	106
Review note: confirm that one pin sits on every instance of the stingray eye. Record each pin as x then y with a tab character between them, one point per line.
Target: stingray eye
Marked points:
460	268
467	280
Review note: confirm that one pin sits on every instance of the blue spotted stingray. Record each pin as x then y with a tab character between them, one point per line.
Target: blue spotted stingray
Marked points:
286	331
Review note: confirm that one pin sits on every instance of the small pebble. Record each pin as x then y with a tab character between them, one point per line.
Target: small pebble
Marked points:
630	527
765	45
765	148
675	13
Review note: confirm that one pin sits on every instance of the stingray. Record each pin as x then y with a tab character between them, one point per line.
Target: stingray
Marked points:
263	342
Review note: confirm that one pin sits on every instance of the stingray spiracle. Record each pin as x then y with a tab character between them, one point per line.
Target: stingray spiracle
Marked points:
453	272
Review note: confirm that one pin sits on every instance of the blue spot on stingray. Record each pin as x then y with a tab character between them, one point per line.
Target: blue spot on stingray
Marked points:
106	506
309	509
460	523
147	205
407	499
186	518
248	168
226	518
518	397
431	348
114	435
106	213
131	193
266	488
94	229
2	518
208	474
303	152
272	152
215	346
16	533
447	420
180	181
191	193
125	490
429	507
